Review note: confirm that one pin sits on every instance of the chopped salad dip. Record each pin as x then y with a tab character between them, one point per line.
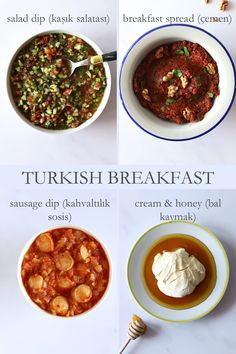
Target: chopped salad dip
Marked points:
178	82
42	89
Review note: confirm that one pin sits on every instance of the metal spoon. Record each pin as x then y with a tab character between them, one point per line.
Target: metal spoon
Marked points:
96	59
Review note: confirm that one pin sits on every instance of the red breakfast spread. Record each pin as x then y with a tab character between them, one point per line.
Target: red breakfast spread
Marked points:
178	82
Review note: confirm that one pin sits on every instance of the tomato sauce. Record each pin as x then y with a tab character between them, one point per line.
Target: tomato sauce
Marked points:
65	271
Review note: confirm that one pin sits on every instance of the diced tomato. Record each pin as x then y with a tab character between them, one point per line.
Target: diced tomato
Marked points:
47	50
92	245
56	72
30	98
90	91
43	40
82	269
70	44
97	86
60	63
50	52
68	232
67	92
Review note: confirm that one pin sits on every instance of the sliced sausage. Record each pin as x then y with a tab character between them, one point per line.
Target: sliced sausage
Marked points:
44	242
64	261
82	293
36	282
65	283
59	305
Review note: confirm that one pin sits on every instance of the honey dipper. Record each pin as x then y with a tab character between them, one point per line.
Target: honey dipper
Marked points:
136	329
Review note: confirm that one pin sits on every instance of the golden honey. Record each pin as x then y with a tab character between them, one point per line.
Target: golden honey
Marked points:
194	247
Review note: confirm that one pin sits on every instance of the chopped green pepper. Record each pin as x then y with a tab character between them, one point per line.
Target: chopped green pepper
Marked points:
179	52
170	101
177	72
186	52
199	81
210	94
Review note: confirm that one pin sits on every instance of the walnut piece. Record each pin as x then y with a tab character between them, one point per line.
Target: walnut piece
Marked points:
172	89
145	95
211	69
187	113
159	53
168	76
223	5
184	81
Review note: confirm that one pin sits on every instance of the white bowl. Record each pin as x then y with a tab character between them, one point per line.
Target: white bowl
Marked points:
26	248
144	118
135	269
102	103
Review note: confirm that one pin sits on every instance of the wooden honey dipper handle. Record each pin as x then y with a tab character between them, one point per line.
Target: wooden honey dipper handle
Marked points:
124	346
136	329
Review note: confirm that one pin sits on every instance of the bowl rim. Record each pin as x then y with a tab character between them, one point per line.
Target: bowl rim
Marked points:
120	79
26	247
225	259
107	91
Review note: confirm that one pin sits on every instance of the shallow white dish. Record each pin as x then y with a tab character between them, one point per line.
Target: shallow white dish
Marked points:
144	118
22	287
135	268
98	111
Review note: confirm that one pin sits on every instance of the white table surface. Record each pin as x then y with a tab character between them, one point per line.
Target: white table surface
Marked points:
24	330
138	147
19	143
214	333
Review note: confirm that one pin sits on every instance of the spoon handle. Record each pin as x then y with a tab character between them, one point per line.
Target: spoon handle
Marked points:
110	56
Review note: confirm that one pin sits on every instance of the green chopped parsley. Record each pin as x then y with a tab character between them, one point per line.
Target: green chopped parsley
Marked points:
177	72
183	51
186	52
199	81
142	84
179	52
210	94
170	101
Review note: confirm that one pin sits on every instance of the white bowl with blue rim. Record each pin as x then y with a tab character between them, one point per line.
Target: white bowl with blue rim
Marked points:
144	118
